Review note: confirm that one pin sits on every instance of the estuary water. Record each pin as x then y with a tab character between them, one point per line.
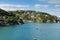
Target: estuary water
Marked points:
31	31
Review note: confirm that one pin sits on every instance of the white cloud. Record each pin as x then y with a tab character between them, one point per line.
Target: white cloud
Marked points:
13	7
54	1
57	6
41	6
51	1
54	12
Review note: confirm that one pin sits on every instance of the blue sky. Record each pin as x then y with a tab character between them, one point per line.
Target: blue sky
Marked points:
49	6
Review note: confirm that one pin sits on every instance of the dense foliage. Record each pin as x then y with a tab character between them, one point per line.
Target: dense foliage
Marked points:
33	16
9	18
17	17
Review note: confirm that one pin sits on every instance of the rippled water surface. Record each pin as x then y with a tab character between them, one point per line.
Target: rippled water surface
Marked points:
31	31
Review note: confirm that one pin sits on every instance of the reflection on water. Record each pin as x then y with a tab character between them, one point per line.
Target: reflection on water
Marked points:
31	31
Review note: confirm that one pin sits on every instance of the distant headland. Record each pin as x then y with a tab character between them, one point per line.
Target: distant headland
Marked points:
21	16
